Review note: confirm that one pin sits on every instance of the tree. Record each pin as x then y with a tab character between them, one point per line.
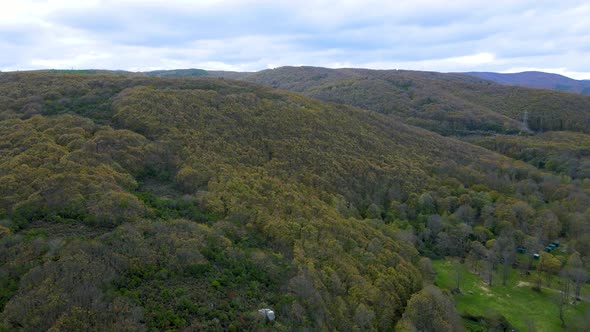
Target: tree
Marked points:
465	214
476	256
548	225
427	204
191	180
458	275
430	310
482	233
434	224
533	246
374	212
363	317
427	270
4	231
505	246
563	296
548	266
454	241
576	273
491	258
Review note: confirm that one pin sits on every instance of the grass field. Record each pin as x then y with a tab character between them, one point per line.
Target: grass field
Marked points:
516	301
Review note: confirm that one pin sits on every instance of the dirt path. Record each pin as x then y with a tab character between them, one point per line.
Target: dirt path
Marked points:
526	284
523	284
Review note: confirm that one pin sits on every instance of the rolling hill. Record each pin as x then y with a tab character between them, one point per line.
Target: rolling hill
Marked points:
540	80
178	73
450	104
130	202
561	152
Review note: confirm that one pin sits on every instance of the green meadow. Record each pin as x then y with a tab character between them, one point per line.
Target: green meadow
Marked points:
522	306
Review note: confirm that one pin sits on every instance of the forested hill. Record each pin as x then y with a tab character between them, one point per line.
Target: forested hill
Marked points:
535	79
148	203
178	73
450	104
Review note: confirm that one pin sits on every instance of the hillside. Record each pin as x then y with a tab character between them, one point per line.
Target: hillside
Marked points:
561	152
450	104
178	73
153	203
540	80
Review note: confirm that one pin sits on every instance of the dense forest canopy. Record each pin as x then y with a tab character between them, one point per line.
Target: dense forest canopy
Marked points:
130	202
450	104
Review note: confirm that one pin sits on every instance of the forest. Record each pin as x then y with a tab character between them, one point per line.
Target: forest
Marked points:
165	201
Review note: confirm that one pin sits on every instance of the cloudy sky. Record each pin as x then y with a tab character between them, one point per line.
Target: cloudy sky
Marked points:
249	35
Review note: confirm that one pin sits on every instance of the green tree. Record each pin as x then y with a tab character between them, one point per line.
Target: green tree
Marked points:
431	311
548	266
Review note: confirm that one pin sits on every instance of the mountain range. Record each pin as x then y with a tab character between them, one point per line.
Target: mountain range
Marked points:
535	79
529	79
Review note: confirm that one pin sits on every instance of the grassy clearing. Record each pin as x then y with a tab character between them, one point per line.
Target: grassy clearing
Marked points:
516	301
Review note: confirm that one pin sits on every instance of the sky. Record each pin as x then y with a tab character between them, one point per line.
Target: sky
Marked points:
251	35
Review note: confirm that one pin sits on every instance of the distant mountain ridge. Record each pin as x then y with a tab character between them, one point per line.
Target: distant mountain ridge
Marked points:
453	104
192	72
447	103
536	79
528	79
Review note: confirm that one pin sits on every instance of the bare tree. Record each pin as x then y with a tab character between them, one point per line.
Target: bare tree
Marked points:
491	260
563	296
576	272
505	246
458	275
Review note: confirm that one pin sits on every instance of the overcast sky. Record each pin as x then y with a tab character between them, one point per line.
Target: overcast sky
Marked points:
249	35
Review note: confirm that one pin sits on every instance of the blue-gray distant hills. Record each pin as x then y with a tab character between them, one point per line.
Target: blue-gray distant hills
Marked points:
535	79
530	79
